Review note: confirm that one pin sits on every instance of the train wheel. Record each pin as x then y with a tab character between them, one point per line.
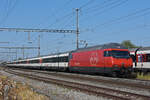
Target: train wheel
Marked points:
132	75
114	74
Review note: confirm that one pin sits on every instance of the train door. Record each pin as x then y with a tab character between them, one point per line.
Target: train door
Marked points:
140	60
107	61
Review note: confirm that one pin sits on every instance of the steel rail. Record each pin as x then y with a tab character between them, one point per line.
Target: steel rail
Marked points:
135	85
100	91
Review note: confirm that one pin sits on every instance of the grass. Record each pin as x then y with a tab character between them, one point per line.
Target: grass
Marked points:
19	91
3	77
23	92
144	77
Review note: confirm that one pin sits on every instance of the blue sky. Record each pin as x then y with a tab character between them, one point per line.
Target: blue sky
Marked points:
100	21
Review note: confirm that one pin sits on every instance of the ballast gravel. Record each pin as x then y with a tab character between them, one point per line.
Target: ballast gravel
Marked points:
52	91
101	84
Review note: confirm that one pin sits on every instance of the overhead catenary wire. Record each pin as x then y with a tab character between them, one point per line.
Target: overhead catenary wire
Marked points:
81	7
61	9
137	27
8	11
86	4
114	5
106	6
66	22
130	29
101	6
133	14
70	14
115	2
66	17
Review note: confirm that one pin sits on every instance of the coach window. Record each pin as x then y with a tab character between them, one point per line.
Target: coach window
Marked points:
21	62
24	62
46	60
147	57
55	59
34	61
64	59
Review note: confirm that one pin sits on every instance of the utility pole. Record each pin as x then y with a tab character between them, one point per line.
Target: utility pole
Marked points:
16	54
77	27
29	40
39	46
23	52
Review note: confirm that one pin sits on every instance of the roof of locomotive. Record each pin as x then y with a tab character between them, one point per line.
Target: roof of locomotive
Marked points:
104	46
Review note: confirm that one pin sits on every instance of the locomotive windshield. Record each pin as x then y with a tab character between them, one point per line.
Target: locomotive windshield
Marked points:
117	54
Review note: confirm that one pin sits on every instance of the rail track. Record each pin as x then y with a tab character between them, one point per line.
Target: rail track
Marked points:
94	90
99	80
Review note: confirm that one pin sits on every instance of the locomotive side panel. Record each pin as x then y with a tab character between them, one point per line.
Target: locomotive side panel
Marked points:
87	61
105	61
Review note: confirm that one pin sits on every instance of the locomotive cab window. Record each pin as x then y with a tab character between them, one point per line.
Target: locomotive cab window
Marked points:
107	54
117	54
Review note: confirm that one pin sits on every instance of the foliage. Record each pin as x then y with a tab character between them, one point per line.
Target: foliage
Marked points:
129	44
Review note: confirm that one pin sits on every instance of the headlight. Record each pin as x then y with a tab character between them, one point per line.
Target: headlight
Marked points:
115	65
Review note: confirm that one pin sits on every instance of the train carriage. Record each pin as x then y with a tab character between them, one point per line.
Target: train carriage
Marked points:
141	59
54	61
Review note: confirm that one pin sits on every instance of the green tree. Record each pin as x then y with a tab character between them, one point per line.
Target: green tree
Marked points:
128	44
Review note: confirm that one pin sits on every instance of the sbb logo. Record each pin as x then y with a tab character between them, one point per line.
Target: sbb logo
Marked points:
94	58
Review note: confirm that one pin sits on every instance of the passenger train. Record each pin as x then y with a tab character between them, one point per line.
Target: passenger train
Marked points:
109	59
141	59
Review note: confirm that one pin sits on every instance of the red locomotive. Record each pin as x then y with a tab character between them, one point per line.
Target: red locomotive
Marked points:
111	59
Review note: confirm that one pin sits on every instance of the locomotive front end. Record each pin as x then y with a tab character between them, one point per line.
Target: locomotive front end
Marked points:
121	62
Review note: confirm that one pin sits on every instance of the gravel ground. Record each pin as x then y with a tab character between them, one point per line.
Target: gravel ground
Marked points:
112	86
54	92
12	90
